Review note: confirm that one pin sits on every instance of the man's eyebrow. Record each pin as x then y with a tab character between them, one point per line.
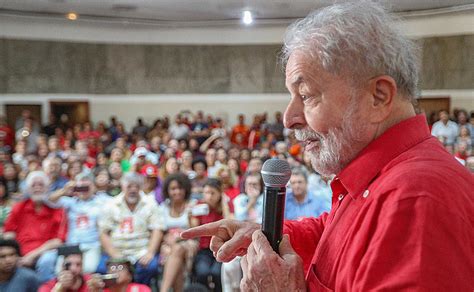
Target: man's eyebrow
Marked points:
296	82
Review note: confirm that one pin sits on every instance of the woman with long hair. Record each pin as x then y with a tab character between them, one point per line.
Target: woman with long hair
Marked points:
176	253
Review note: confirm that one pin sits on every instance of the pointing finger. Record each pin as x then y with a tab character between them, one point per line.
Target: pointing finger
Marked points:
209	229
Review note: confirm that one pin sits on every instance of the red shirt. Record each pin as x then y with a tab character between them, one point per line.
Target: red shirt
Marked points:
211	217
135	288
401	219
48	286
34	229
232	192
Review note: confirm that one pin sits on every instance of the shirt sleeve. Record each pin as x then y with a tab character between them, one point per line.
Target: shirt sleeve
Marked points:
11	224
240	208
156	220
305	236
106	220
62	227
65	202
418	244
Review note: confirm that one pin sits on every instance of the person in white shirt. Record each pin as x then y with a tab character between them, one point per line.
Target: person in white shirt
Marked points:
132	228
444	129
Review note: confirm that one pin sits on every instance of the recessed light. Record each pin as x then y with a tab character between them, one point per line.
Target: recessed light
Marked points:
247	17
72	16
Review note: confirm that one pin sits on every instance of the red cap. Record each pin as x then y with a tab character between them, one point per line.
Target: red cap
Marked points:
149	170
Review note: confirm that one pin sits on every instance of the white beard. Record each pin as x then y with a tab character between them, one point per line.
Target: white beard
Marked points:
37	198
338	147
132	200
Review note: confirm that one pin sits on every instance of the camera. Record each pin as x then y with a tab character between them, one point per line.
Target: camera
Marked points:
200	210
81	189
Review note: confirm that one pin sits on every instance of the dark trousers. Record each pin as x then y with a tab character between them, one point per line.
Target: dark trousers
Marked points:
205	265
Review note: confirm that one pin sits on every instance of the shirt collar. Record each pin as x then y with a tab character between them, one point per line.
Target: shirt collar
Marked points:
356	176
30	208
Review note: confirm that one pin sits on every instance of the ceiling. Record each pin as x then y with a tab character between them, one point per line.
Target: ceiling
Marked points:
207	12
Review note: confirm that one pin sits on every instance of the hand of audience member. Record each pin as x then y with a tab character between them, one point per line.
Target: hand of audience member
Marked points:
66	279
27	261
265	270
253	193
69	188
146	259
230	238
95	284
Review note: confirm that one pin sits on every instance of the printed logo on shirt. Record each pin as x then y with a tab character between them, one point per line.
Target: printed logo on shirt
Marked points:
126	226
82	221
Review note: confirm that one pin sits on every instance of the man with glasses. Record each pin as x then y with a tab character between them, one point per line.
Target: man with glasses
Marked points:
118	278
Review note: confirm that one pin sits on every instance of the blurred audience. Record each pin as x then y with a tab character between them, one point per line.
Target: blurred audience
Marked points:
130	193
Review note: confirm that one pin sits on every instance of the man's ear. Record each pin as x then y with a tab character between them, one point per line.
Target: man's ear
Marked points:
383	90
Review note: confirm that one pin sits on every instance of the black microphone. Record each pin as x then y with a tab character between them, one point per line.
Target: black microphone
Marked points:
275	174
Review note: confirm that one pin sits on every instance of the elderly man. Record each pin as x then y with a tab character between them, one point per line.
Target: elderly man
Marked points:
83	207
52	167
38	228
393	225
445	130
131	227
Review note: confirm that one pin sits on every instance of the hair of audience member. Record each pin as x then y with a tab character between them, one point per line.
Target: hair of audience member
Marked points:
48	160
132	178
32	176
10	243
252	175
183	182
232	176
100	169
84	177
301	172
199	160
214	183
358	38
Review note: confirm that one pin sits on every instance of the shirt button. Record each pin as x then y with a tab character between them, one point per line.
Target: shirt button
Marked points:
365	194
341	196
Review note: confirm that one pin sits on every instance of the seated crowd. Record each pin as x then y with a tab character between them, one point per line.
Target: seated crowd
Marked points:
86	208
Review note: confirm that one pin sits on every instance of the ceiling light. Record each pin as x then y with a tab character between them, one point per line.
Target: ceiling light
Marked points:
247	17
71	16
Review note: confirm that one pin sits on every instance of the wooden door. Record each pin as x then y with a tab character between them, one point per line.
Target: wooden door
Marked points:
432	105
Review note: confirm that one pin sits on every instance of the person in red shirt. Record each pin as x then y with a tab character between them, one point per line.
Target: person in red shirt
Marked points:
205	264
402	216
228	179
7	135
70	279
240	133
38	228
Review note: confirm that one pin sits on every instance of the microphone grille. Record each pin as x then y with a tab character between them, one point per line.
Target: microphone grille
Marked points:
276	172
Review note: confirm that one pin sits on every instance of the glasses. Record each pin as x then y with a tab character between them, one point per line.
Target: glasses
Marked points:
117	268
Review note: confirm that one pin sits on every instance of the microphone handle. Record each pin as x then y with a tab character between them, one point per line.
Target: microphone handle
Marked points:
273	215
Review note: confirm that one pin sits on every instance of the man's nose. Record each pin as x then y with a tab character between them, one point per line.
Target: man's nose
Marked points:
294	114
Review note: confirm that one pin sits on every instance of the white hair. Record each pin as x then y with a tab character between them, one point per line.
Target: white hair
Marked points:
84	177
32	176
48	160
357	40
132	178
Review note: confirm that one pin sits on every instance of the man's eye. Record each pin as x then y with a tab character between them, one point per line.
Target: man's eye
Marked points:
305	97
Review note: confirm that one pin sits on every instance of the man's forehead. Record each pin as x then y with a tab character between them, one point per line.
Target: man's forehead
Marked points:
7	250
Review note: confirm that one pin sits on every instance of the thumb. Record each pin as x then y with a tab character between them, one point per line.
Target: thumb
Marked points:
285	247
